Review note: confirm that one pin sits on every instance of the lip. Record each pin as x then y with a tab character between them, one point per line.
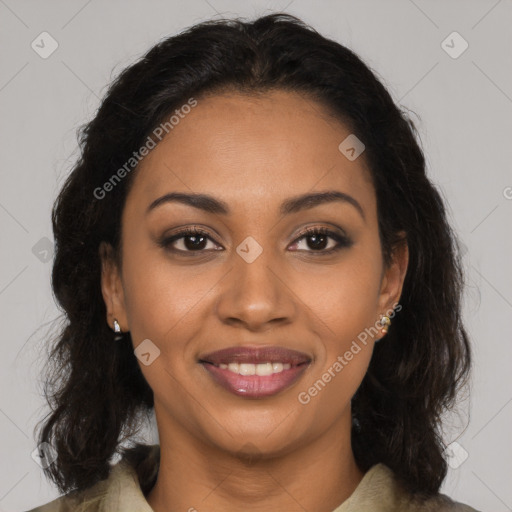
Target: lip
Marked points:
255	386
255	355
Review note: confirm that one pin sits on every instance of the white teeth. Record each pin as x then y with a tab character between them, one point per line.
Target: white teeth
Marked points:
264	369
246	369
277	367
261	369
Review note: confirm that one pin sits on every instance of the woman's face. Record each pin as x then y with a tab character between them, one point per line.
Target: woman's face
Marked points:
252	279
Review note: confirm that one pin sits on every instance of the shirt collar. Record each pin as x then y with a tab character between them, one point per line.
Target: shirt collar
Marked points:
377	491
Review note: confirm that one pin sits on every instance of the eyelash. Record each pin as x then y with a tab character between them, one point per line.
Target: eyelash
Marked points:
342	241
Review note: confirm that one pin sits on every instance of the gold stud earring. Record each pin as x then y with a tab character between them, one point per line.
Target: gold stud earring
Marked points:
385	321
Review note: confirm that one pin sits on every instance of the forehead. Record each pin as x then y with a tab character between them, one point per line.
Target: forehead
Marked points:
252	149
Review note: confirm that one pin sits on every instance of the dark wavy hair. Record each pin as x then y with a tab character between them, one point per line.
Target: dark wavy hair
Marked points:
95	388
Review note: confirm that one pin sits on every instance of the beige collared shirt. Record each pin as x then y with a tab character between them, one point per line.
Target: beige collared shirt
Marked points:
378	491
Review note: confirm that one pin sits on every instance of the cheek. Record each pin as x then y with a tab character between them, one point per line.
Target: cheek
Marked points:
343	297
165	302
344	303
160	304
329	389
155	298
337	375
345	375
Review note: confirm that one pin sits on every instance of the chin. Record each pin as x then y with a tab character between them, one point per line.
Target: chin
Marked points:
257	444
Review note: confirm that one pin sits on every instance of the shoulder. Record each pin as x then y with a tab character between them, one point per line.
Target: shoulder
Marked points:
62	504
409	503
439	503
380	491
120	491
88	501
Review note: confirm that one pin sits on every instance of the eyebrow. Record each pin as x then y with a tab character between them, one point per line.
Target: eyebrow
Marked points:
295	204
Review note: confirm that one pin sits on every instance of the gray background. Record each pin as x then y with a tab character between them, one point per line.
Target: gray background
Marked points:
463	108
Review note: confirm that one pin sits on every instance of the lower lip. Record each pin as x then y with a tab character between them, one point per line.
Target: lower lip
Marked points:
255	386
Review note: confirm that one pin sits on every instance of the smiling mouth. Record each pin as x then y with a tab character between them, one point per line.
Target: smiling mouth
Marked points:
261	369
255	372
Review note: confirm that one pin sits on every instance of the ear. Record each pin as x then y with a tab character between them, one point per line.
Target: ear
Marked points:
394	276
112	288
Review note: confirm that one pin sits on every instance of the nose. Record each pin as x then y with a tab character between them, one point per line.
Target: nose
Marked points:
256	295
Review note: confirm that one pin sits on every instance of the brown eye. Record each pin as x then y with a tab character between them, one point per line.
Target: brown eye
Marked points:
317	239
191	239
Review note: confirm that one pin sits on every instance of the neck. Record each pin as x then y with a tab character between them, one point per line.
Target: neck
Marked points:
194	476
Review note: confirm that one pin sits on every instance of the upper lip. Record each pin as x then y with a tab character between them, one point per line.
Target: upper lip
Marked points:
255	355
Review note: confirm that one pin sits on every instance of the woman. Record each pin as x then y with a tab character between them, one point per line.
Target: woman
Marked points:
250	246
